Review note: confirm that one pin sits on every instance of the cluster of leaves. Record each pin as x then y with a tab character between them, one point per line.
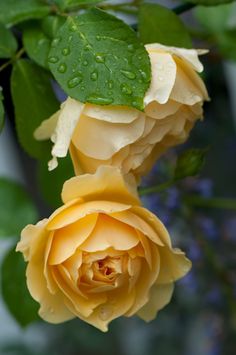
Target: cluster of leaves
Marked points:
95	57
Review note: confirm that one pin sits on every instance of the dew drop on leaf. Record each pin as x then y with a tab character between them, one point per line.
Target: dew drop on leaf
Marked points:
56	41
72	83
53	59
99	59
126	89
62	68
94	76
98	100
128	74
66	51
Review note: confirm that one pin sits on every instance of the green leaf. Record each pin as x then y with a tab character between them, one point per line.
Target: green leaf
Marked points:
76	3
14	202
8	43
159	24
216	18
189	163
38	36
97	58
14	290
51	182
227	44
2	112
37	45
34	101
209	2
12	13
51	24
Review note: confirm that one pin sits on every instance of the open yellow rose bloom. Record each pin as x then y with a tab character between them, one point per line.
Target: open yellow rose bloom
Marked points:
125	137
101	255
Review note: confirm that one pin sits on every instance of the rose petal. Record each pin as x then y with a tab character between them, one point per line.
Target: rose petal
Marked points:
113	114
47	127
163	78
107	183
190	55
66	240
67	121
161	111
160	296
174	265
110	233
99	139
138	223
74	213
188	88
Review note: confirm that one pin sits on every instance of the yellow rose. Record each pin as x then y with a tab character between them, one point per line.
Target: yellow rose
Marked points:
125	137
101	255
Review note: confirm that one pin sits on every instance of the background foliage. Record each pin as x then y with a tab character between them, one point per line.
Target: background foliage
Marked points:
44	49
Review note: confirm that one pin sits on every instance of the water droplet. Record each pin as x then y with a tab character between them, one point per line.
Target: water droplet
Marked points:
130	47
98	38
87	47
110	84
139	57
128	74
94	76
73	27
98	100
62	68
143	75
82	88
53	59
126	89
105	312
55	41
65	51
72	83
99	59
85	63
41	41
70	38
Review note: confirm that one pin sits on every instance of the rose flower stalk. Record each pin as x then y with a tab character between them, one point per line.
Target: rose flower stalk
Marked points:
125	137
101	255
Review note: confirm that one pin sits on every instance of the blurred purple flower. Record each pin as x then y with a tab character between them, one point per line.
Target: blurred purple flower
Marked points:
208	227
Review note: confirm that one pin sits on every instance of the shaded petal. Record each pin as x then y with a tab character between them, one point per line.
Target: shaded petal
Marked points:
190	55
174	265
99	139
138	223
113	114
107	183
160	111
76	212
189	87
110	233
66	240
160	296
154	222
47	127
52	307
30	237
68	118
163	77
146	279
